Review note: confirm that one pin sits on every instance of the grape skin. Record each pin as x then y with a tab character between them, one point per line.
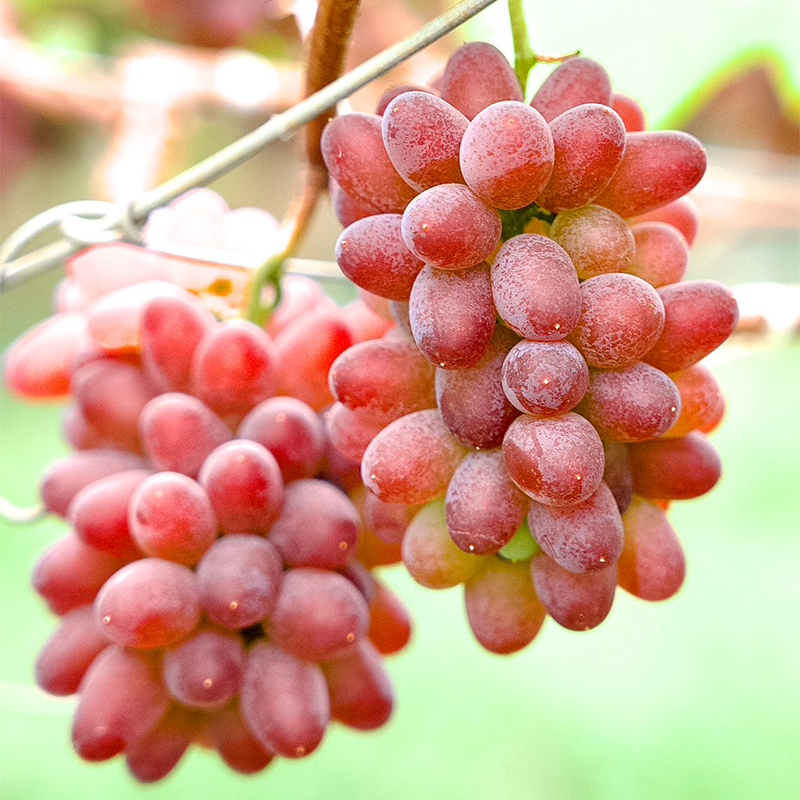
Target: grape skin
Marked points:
617	474
233	740
682	214
702	401
350	431
630	112
396	91
154	755
574	82
662	254
389	621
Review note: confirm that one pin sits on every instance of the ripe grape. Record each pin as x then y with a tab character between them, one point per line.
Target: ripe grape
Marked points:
373	254
422	134
503	609
347	209
477	75
389	622
483	507
588	142
233	740
350	431
388	521
298	295
574	82
583	537
682	214
507	155
535	288
154	755
363	323
577	601
448	227
396	91
544	378
149	603
557	460
662	254
79	434
630	112
617	474
596	239
702	401
239	578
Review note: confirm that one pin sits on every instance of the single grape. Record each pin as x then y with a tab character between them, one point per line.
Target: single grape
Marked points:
284	701
422	134
178	432
450	228
373	254
699	317
503	610
350	431
629	111
362	322
476	76
170	516
507	155
452	315
662	254
702	401
396	91
588	142
361	578
149	603
483	507
298	295
675	469
544	378
388	521
78	432
157	753
535	288
652	565
583	537
657	168
556	461
239	578
346	208
244	485
430	556
233	740
69	652
682	214
617	474
597	240
574	82
389	621
318	526
291	431
577	601
374	552
411	460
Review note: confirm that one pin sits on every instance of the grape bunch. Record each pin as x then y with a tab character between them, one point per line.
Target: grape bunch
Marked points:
216	585
541	402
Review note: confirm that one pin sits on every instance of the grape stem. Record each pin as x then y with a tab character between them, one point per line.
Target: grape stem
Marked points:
514	222
524	57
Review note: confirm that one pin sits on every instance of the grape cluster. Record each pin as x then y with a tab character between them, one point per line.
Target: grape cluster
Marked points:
541	402
215	586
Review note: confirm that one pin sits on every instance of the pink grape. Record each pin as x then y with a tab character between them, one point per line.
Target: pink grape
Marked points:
132	264
484	508
476	76
170	516
588	142
699	317
597	240
630	111
535	288
577	601
617	474
390	624
121	700
361	578
621	319
507	155
157	753
682	214
360	689
372	253
544	378
702	401
422	134
291	431
448	227
347	209
233	740
239	579
298	295
284	701
353	149
472	401
412	459
396	91
244	485
350	431
363	323
657	168
631	404
377	304
79	434
69	652
662	254
452	315
388	521
556	461
205	670
652	565
149	603
583	537
234	367
503	610
179	432
675	469
69	573
574	82
318	614
429	553
318	526
99	513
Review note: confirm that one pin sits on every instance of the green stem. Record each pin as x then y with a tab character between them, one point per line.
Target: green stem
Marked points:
270	272
524	57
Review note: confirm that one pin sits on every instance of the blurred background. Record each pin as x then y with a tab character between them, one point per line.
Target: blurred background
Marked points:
696	698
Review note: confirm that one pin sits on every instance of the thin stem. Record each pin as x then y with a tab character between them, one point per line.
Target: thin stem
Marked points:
524	57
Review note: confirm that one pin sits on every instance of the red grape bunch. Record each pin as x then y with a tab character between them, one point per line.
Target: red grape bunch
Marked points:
215	586
541	401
